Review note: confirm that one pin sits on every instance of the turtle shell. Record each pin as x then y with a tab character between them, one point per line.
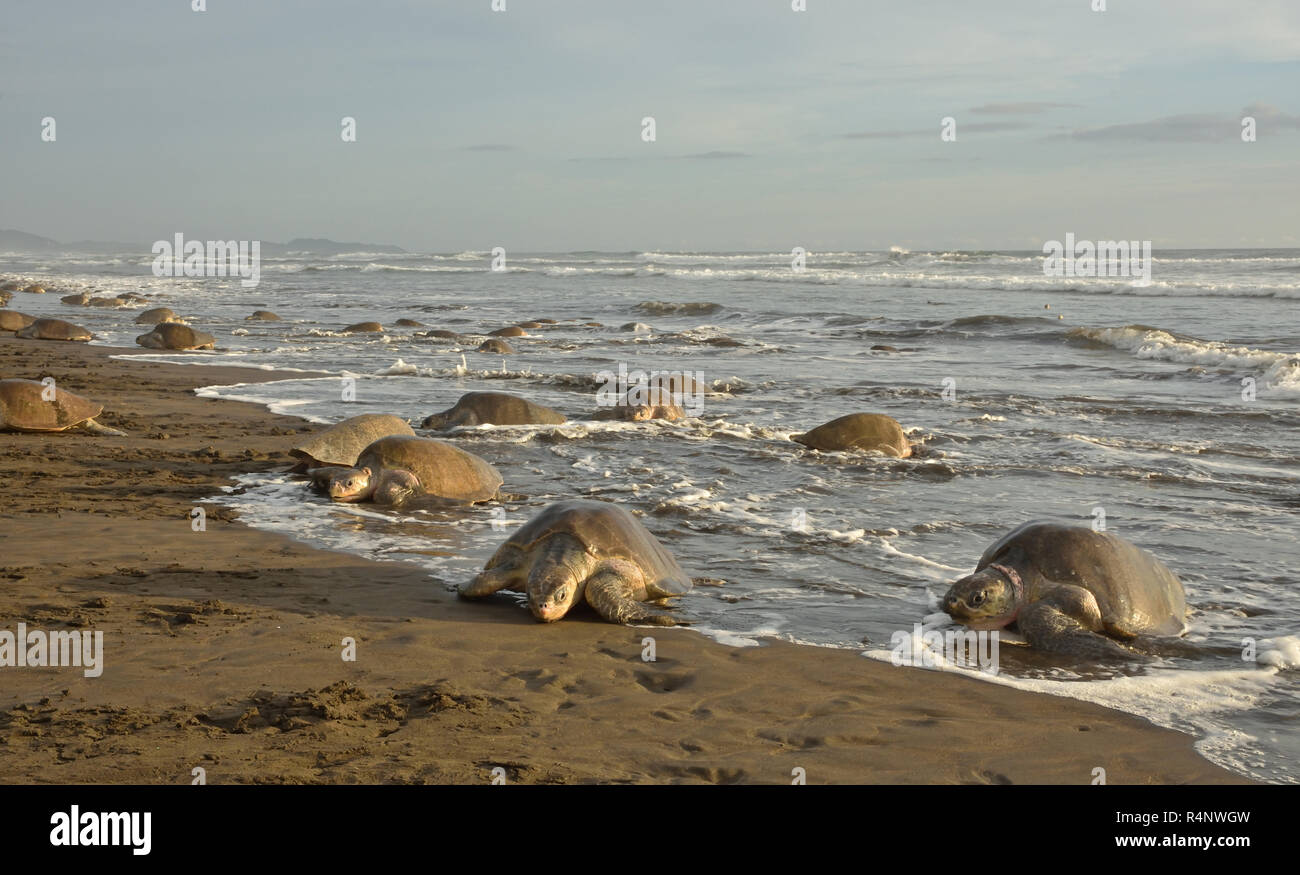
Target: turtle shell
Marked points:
22	407
608	531
495	408
173	335
1133	589
858	431
54	329
12	320
156	315
445	471
341	443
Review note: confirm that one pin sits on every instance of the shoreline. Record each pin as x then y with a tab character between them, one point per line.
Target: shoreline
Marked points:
222	647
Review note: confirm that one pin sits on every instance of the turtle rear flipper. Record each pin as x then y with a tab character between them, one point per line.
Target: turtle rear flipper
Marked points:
96	428
1047	627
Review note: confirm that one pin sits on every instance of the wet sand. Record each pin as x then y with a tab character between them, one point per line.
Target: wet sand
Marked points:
222	647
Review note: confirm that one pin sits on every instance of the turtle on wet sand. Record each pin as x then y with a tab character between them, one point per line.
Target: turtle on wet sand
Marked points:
1070	589
27	405
54	329
394	469
12	320
342	442
580	550
493	408
174	335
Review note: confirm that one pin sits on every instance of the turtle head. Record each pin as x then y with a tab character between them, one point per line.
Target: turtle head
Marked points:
354	484
550	597
987	599
395	486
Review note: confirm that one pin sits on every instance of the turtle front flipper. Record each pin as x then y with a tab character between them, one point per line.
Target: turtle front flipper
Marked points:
505	572
1046	626
615	591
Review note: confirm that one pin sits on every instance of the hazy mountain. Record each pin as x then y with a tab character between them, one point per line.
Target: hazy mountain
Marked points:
21	241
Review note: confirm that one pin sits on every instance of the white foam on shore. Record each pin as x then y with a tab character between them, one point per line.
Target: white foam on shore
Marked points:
281	406
1188	701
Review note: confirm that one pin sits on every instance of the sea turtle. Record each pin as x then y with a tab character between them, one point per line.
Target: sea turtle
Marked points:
5	298
27	405
362	328
80	299
409	323
508	331
174	335
1066	588
583	550
12	320
262	316
396	468
641	403
440	333
156	315
341	443
54	329
35	289
115	301
496	345
495	408
859	431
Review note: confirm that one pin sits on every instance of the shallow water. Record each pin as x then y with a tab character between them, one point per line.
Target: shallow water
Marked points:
1065	398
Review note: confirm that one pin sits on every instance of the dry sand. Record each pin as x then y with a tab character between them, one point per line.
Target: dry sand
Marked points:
222	647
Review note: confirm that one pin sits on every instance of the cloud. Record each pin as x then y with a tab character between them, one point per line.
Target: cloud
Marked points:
973	127
490	147
1028	107
1189	128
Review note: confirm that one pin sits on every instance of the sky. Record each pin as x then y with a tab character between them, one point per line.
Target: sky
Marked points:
774	128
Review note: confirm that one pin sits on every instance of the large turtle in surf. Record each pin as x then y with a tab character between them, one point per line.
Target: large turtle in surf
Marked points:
395	469
341	443
26	405
1070	590
493	408
583	550
870	432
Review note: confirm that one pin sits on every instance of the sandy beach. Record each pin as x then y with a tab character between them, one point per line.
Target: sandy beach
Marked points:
222	647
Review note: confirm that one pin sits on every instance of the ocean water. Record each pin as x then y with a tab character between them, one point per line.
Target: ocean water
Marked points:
1029	397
